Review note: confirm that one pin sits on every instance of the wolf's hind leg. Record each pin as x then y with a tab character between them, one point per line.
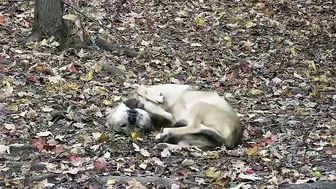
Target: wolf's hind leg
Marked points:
196	117
178	132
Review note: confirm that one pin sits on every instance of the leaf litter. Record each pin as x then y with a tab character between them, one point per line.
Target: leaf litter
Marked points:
273	61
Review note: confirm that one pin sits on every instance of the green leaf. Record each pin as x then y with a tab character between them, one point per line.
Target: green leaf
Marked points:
316	174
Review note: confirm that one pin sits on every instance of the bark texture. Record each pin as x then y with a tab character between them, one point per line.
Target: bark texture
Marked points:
48	20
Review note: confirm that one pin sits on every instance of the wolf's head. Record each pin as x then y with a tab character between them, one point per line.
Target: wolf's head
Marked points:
129	116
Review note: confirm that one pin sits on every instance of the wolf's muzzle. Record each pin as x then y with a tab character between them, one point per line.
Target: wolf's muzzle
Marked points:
132	116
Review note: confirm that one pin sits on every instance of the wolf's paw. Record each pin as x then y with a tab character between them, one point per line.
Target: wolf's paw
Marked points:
170	117
164	136
171	147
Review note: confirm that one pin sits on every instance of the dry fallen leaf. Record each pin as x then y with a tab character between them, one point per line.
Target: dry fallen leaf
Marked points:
88	76
43	134
274	62
135	135
144	152
252	151
249	177
256	92
39	144
4	149
212	173
133	184
165	153
200	21
9	126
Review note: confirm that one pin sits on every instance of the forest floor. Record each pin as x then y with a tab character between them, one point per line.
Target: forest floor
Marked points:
274	61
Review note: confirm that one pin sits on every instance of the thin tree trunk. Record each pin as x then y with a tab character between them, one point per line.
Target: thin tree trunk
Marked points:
48	20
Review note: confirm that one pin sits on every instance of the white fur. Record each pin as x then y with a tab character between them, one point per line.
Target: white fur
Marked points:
205	112
118	117
202	111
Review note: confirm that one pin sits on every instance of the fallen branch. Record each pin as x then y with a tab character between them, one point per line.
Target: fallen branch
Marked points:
17	167
101	180
41	177
315	185
142	180
112	47
30	179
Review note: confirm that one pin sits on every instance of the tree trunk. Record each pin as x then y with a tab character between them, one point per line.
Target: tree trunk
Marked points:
48	20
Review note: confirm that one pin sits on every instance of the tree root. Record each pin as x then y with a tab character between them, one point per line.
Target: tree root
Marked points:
33	37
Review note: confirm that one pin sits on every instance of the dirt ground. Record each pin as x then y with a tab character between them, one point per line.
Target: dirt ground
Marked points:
274	61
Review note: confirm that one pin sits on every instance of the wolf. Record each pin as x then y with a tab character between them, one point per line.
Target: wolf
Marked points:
199	118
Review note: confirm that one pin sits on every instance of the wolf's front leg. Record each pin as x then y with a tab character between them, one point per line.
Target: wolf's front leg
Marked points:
158	111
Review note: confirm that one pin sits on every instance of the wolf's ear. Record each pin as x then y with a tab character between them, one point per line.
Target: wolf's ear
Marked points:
131	103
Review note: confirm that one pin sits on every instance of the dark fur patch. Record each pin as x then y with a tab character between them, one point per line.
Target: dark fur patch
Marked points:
133	103
180	123
171	139
212	136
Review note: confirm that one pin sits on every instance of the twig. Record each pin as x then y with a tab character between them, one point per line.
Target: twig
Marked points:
270	125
